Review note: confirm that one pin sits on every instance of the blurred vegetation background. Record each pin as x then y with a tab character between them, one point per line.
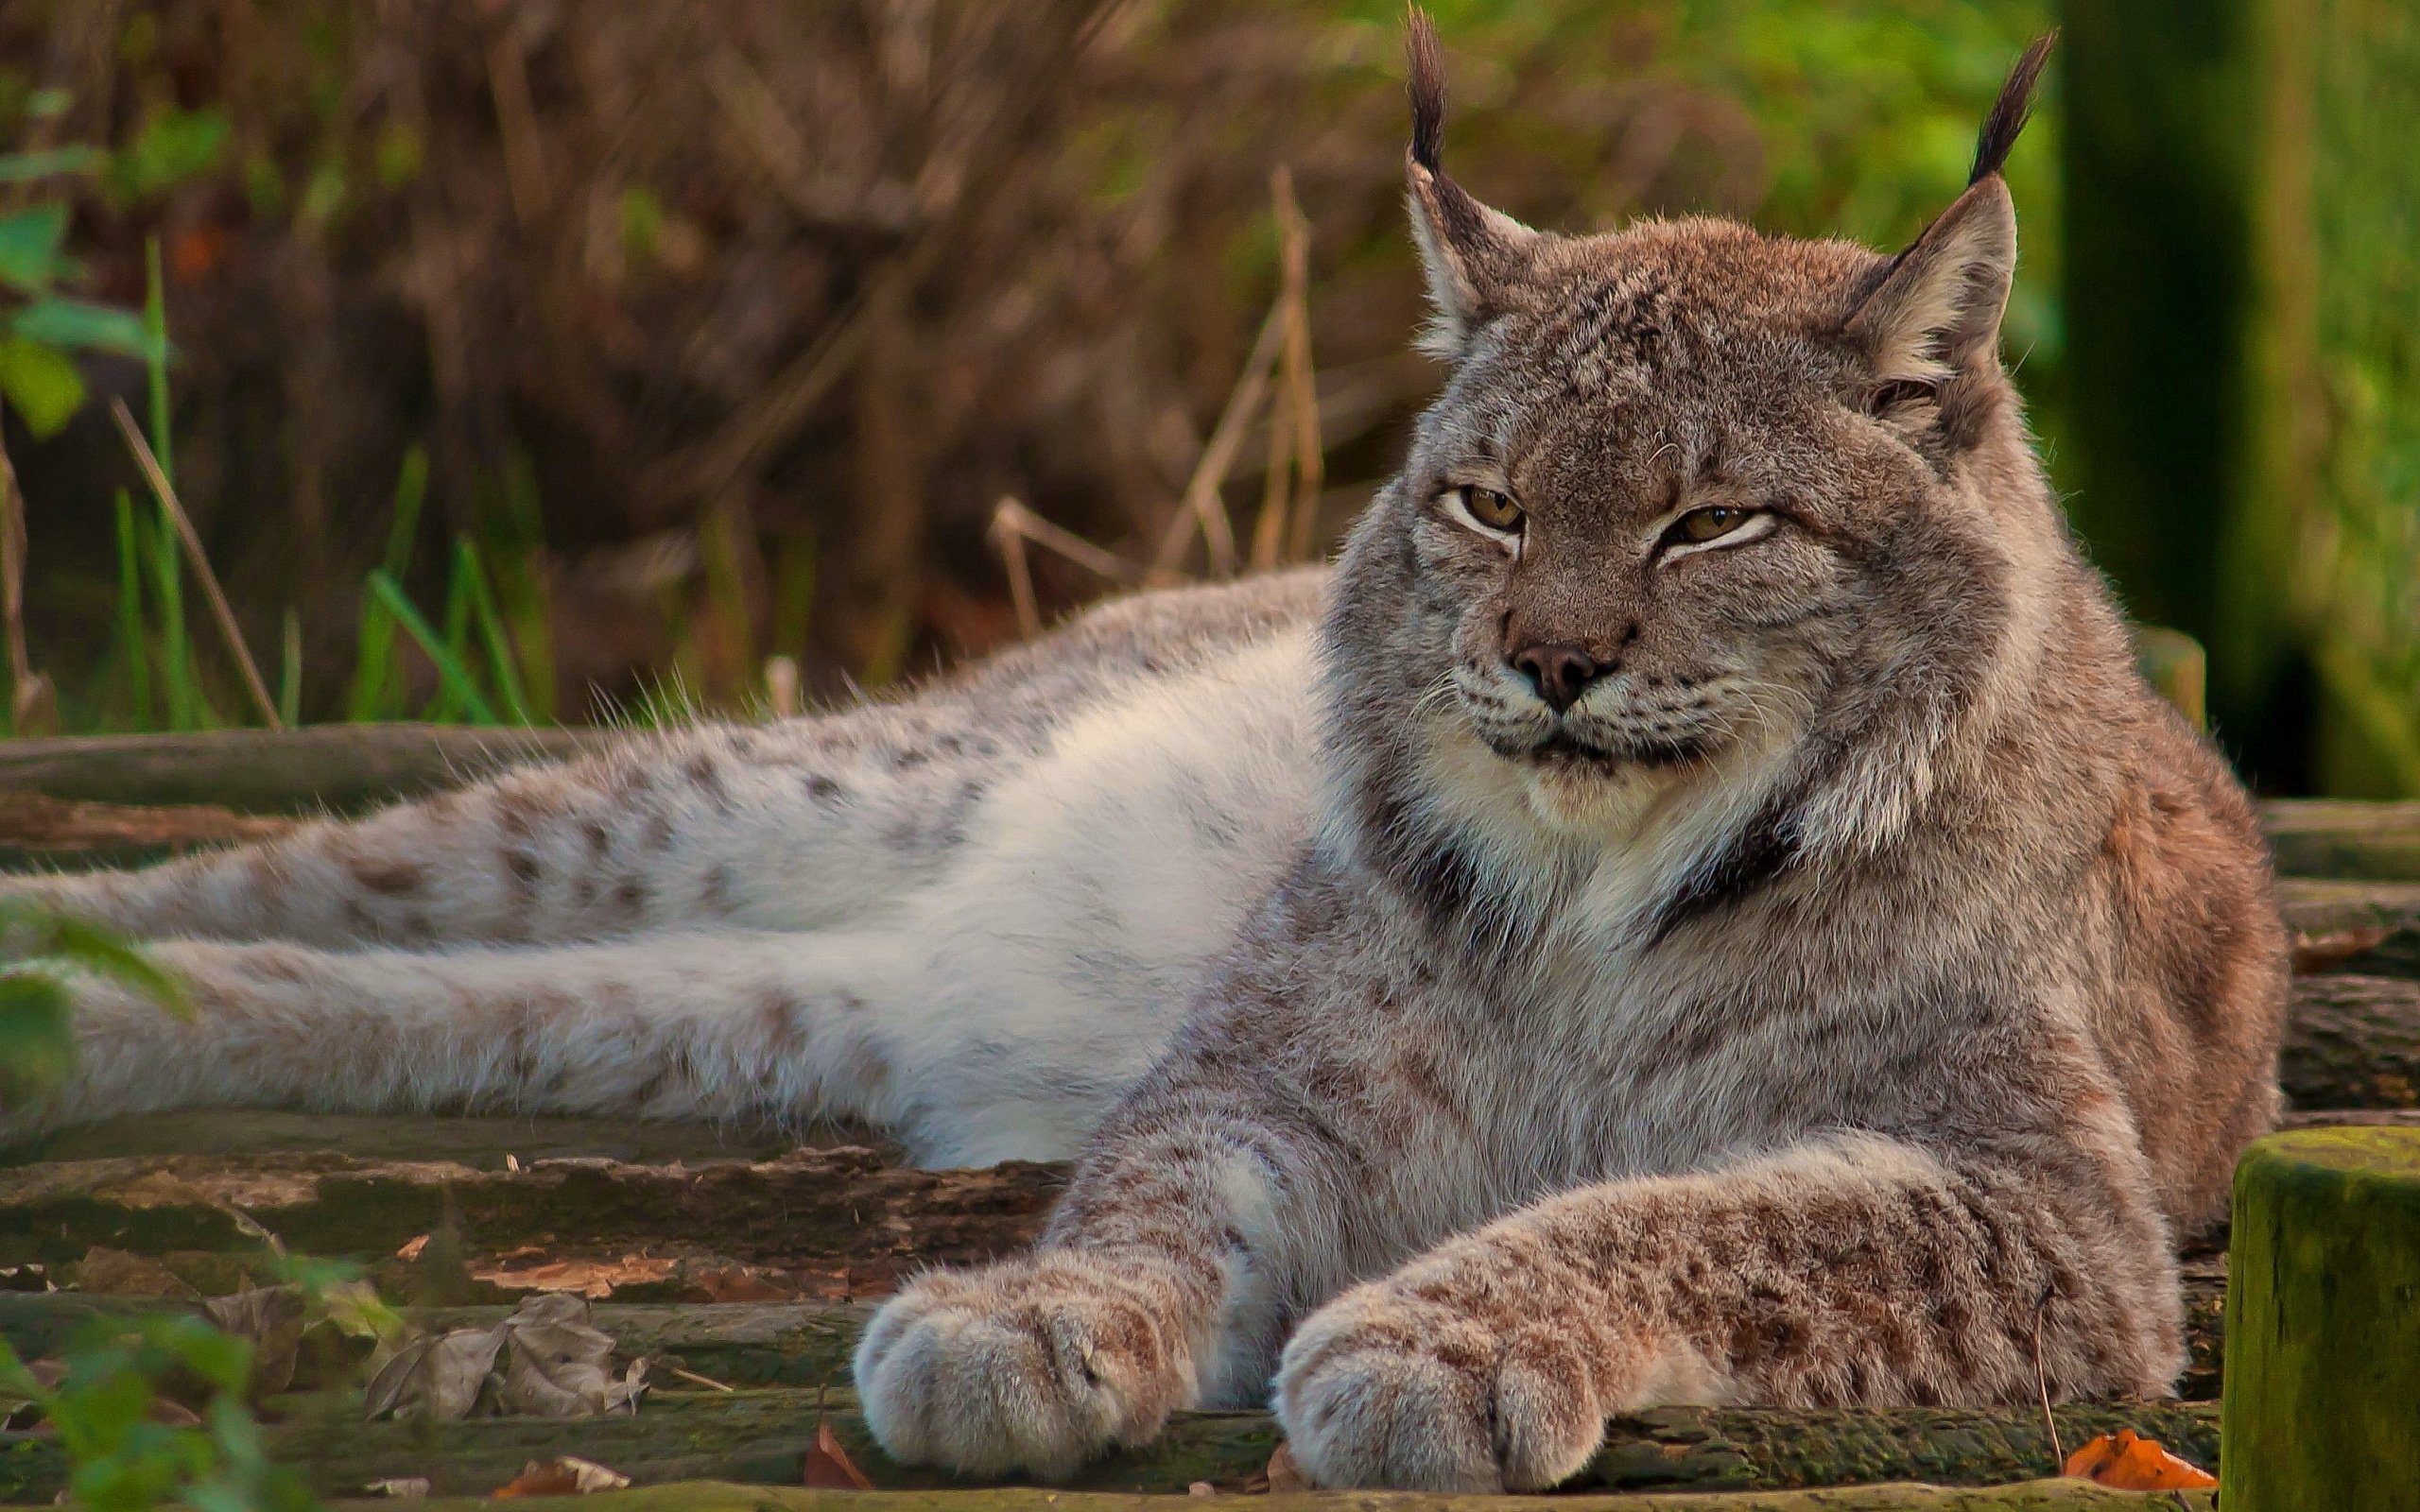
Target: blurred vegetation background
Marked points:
533	359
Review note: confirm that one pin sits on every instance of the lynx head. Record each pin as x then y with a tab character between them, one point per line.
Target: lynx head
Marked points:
1696	506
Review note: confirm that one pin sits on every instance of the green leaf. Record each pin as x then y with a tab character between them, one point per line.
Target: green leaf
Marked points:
172	147
37	1033
57	322
25	167
42	386
104	953
30	243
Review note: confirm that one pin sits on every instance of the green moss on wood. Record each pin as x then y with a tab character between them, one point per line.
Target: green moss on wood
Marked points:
2322	1402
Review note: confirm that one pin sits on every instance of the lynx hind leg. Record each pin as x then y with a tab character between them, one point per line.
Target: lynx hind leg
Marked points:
733	1027
801	825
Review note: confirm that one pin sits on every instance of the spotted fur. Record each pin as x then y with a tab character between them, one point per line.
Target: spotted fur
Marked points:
1847	996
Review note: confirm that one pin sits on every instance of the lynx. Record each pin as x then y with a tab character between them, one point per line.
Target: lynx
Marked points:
1696	906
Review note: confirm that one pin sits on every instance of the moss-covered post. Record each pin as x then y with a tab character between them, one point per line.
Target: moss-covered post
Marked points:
2322	1333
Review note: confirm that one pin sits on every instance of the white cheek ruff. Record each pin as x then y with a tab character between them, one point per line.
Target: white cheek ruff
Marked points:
1762	523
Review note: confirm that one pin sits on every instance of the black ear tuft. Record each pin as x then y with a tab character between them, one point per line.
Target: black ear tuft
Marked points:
2011	111
1428	61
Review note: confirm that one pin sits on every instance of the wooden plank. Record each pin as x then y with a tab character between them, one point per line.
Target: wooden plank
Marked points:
760	1437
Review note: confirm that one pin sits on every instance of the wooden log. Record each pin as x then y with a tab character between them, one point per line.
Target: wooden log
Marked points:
343	767
847	1207
2061	1495
2382	917
759	1438
2322	1409
2345	839
2354	1043
808	1343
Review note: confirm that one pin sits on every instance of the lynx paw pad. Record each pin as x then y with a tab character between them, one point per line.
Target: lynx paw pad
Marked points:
1036	1365
1381	1388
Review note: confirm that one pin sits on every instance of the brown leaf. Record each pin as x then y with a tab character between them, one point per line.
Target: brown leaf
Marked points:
400	1487
594	1279
21	1413
2126	1461
557	1366
563	1476
271	1319
828	1465
412	1247
1285	1476
2320	953
437	1378
116	1273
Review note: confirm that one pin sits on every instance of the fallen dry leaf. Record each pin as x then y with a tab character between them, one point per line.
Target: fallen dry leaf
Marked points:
412	1247
594	1279
828	1465
557	1365
269	1318
438	1378
2126	1461
20	1413
545	1361
2318	952
116	1273
1284	1474
400	1489
563	1476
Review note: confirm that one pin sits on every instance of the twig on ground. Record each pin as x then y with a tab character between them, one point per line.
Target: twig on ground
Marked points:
1202	505
29	692
226	616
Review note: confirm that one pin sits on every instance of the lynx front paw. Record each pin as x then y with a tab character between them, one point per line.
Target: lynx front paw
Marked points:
1384	1387
1037	1364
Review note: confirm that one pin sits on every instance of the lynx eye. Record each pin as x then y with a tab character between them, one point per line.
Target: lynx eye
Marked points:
1700	525
1491	510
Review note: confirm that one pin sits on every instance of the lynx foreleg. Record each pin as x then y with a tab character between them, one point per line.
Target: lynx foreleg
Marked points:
1162	1283
1847	1271
724	1025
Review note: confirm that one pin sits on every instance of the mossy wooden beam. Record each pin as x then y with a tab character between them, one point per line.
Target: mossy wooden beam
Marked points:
841	1208
293	771
760	1437
2353	1042
2343	839
2389	912
2029	1496
2323	1405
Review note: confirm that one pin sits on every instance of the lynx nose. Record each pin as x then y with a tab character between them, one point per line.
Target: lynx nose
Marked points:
1560	673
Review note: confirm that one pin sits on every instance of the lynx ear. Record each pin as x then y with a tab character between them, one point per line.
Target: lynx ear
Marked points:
1935	316
1937	311
1474	255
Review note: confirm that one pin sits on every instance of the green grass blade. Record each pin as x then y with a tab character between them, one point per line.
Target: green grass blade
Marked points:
175	655
374	681
290	679
130	612
490	627
447	707
155	361
376	692
411	488
451	674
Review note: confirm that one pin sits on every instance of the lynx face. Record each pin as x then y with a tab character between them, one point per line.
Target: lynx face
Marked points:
1698	506
1652	531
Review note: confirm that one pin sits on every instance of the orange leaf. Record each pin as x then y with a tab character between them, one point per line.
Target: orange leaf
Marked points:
1284	1474
828	1465
2126	1461
566	1476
